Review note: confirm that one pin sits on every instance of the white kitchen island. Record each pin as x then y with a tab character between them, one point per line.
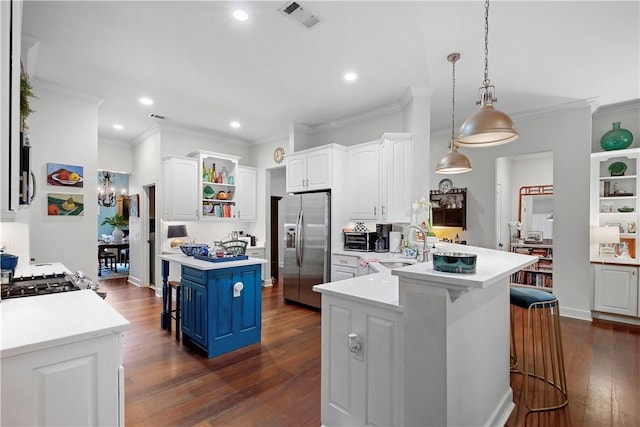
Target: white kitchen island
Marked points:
61	358
433	346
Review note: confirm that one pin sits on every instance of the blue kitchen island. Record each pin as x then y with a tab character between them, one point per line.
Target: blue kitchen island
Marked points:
221	302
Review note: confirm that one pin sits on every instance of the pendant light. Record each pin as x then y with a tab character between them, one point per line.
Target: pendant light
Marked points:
453	162
487	126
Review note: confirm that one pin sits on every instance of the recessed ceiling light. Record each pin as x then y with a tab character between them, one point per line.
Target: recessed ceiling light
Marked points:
146	101
350	76
240	15
118	126
235	124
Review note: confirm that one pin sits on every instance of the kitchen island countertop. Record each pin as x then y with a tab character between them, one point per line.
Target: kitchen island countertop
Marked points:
190	261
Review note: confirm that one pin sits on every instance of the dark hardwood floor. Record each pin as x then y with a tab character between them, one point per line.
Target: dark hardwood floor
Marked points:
277	382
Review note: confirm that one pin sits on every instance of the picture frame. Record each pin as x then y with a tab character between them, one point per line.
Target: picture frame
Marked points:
59	204
64	175
134	203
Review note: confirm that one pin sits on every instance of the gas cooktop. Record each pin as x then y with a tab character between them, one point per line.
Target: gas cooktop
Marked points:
40	285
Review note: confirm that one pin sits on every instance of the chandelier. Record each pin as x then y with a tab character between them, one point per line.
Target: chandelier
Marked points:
107	191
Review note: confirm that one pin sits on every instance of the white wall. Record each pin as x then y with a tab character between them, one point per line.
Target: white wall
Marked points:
115	156
361	129
64	130
567	133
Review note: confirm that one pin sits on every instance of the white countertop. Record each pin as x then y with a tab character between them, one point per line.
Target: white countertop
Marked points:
38	322
39	269
382	288
190	261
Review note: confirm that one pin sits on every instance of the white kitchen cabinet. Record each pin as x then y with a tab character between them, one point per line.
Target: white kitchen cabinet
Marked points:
344	266
365	182
380	181
81	383
247	206
616	289
180	188
309	170
218	188
257	252
361	387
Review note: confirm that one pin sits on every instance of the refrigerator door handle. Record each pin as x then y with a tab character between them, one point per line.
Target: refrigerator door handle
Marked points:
300	247
297	239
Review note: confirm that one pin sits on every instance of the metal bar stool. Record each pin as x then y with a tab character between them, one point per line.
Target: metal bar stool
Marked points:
545	382
174	313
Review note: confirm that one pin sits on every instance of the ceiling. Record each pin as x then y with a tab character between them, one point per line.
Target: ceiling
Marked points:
203	69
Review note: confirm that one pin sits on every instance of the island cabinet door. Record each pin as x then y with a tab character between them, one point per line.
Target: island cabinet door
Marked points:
194	311
361	383
235	308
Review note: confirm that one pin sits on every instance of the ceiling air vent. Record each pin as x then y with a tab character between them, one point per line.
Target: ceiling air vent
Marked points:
293	10
157	116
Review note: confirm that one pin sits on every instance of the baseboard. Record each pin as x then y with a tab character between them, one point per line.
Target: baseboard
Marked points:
616	318
267	283
134	281
503	411
575	313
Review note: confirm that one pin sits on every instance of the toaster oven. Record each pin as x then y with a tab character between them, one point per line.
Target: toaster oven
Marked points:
364	241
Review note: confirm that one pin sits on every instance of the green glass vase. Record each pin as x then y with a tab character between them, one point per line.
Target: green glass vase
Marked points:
616	138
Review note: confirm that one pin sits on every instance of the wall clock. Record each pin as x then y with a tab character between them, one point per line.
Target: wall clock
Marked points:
278	155
445	185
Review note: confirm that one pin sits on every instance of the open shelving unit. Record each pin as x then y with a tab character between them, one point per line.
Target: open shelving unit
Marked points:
539	274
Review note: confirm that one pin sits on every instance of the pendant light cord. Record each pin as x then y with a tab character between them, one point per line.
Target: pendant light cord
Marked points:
453	102
486	43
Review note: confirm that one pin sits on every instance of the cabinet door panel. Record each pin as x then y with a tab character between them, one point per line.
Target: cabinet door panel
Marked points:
296	173
194	311
397	181
247	203
616	289
364	166
181	189
319	170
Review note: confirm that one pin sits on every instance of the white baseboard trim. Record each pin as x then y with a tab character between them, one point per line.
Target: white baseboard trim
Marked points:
616	318
134	281
503	411
575	313
267	283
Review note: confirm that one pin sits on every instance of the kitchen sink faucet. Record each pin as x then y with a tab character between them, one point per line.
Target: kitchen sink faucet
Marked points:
423	255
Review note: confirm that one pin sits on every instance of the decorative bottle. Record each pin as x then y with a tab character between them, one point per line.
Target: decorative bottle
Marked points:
225	175
616	138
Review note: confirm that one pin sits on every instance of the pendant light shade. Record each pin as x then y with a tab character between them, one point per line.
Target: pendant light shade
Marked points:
487	126
454	161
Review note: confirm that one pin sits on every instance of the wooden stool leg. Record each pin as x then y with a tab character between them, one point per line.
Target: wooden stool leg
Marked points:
169	298
178	313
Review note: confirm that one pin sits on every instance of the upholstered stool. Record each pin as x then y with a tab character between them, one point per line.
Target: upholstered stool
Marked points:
544	382
174	313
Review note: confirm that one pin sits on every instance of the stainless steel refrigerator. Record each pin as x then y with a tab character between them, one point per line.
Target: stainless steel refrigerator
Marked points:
307	245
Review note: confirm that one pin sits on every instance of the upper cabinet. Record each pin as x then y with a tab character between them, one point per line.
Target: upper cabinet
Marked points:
449	208
247	207
614	203
218	192
380	179
181	188
310	170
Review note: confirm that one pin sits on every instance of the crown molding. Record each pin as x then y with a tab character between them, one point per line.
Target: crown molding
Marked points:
367	115
590	103
146	134
67	92
619	106
200	133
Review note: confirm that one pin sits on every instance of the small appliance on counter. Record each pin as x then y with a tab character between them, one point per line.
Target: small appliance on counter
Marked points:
383	237
363	241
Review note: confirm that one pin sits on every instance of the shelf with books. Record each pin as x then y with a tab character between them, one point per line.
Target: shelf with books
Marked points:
539	274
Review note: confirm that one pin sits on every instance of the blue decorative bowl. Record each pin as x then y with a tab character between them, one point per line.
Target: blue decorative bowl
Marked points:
195	249
8	262
454	262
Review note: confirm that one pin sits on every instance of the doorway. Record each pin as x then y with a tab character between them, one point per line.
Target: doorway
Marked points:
275	238
150	214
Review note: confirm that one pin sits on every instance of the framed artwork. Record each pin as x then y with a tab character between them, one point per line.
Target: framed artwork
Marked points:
63	175
534	236
65	204
134	203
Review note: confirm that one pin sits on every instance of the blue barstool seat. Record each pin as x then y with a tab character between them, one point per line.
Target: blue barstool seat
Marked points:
543	358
